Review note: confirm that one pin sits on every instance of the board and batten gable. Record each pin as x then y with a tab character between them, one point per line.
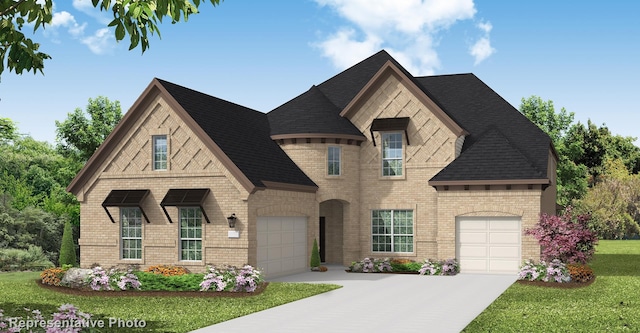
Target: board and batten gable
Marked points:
125	163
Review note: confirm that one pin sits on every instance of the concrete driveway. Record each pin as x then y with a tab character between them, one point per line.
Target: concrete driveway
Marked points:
377	303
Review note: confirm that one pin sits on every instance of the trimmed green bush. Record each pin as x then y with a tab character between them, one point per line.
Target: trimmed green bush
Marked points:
315	255
186	282
67	249
24	260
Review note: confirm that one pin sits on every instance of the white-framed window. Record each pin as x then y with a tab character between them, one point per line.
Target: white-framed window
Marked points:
159	152
131	233
392	154
190	233
334	161
392	230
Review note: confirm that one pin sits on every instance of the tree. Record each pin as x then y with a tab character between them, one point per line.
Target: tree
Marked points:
315	255
542	113
565	237
613	203
7	130
571	176
80	136
136	18
67	249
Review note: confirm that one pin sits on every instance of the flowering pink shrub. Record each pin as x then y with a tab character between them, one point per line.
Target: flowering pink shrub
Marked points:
564	237
442	267
371	265
68	319
232	278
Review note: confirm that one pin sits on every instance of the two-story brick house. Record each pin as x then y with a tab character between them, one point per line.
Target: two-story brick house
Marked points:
373	162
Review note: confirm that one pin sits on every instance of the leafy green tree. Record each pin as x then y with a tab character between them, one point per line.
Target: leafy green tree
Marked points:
8	130
80	135
614	202
67	249
543	114
136	18
572	180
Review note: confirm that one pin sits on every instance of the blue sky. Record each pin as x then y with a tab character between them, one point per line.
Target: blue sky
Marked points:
583	55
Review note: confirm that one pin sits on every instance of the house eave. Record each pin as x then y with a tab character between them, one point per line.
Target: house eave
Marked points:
543	181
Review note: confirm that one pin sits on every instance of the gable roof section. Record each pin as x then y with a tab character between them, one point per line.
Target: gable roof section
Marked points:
243	136
477	108
238	136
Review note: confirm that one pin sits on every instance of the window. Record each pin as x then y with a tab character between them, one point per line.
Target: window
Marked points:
131	232
190	233
159	152
392	154
392	230
333	161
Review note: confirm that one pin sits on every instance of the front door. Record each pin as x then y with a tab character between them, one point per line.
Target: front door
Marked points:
322	238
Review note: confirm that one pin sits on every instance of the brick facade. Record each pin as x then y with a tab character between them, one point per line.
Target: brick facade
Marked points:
345	201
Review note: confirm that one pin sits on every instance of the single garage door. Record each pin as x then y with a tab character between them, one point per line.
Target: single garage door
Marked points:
488	244
282	245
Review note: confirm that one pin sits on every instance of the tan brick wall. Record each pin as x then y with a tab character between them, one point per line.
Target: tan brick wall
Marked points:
518	202
190	165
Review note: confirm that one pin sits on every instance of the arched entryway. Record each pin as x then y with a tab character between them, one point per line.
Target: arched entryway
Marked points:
331	233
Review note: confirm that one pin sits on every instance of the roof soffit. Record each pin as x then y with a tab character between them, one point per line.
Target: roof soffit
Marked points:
387	70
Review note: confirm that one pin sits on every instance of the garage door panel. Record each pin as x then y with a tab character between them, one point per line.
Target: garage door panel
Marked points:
488	244
473	251
504	238
504	224
282	245
473	237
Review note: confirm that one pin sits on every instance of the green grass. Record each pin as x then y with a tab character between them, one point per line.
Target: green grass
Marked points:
611	303
161	314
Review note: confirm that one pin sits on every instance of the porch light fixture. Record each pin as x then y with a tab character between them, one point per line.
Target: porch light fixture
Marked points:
232	220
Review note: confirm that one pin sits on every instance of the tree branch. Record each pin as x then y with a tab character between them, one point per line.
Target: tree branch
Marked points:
14	6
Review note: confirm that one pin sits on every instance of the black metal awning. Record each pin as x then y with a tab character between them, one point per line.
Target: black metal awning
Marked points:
125	198
185	198
390	124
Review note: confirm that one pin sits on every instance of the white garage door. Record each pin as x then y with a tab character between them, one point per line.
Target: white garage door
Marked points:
488	244
282	245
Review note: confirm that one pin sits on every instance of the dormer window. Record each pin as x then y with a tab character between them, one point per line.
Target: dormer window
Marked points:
392	154
159	152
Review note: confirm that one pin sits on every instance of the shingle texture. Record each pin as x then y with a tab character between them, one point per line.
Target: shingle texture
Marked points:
502	143
242	134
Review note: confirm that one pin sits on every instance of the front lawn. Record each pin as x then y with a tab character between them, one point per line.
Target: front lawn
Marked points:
161	314
611	303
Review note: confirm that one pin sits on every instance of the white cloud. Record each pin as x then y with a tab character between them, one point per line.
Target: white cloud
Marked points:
482	48
407	29
101	42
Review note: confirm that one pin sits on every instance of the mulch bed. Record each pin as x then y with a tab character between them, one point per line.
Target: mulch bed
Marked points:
568	285
121	293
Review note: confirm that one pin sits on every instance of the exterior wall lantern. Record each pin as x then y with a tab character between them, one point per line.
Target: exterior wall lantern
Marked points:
232	220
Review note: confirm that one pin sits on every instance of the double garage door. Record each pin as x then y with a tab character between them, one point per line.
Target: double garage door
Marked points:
488	244
282	245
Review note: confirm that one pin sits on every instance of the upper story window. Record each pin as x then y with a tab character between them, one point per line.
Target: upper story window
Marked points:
334	162
159	152
392	154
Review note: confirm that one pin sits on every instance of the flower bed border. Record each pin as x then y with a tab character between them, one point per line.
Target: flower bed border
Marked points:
565	285
150	293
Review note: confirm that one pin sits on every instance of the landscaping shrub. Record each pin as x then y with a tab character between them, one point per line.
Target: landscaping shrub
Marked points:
67	248
231	278
24	260
405	265
167	270
315	255
554	271
103	280
580	273
184	282
564	237
371	265
52	276
442	267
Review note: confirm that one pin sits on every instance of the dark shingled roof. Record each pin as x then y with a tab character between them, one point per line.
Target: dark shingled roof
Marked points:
311	112
242	134
479	110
